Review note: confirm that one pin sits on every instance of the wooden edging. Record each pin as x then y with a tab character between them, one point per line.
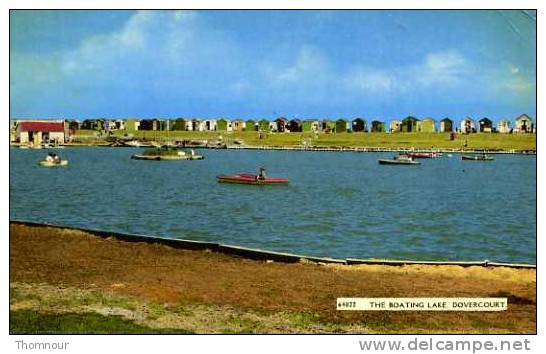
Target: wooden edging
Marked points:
263	255
484	263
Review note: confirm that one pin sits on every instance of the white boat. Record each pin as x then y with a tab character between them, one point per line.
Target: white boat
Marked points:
133	143
45	163
50	146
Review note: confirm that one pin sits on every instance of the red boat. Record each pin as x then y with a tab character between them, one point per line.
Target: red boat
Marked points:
421	155
245	178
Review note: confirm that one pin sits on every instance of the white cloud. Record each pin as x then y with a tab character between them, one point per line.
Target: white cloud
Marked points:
440	69
514	69
146	37
310	64
370	79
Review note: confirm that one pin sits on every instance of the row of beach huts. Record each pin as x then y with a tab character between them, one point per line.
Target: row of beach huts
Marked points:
29	130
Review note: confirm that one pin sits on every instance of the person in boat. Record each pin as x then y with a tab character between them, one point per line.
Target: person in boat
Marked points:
50	157
261	174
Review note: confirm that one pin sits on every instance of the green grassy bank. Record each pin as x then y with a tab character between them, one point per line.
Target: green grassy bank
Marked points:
520	142
34	322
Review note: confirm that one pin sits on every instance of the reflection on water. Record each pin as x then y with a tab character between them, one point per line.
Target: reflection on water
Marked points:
337	204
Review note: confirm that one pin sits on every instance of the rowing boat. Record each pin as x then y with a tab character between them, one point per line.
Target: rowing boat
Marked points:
245	178
400	160
53	164
478	157
167	157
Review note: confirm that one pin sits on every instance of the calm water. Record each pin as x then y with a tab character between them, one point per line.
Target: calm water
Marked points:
337	204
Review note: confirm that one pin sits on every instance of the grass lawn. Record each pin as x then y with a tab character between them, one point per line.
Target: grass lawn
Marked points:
33	322
385	140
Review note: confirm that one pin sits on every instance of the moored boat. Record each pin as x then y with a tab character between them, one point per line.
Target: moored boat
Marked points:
421	155
399	160
133	143
167	154
247	178
483	157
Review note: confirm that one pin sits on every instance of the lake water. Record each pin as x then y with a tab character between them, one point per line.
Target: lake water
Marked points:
338	204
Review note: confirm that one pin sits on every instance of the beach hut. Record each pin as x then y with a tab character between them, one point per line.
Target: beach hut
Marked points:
428	125
149	124
110	125
12	130
263	125
327	125
208	125
468	125
179	124
73	125
188	126
486	125
503	126
524	124
358	125
395	126
195	125
120	124
311	125
295	125
132	125
446	125
222	124
40	131
165	124
409	125
251	125
238	125
282	124
377	126
93	124
342	125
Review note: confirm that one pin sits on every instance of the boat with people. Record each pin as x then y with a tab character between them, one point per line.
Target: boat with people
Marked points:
482	157
166	153
399	160
256	179
53	160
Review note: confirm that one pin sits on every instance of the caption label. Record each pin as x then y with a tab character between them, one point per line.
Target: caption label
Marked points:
421	304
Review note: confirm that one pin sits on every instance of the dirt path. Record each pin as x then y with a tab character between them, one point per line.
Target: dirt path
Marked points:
163	275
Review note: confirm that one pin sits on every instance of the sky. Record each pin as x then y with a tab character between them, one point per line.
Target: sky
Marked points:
264	64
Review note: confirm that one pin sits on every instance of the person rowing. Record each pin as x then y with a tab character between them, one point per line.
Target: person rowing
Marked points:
261	174
51	157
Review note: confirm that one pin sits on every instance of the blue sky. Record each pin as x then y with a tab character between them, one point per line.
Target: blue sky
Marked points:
242	64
